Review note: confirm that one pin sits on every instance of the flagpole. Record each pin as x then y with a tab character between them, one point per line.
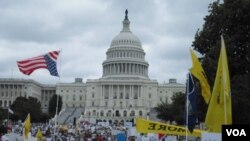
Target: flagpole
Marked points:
8	117
59	81
187	90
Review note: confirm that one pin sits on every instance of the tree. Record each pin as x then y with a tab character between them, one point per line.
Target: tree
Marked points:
232	19
174	111
22	106
3	114
53	104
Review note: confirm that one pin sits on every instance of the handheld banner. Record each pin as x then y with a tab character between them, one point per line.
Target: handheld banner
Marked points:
147	126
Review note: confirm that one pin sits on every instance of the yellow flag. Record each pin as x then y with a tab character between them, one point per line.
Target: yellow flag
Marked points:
198	72
220	108
39	135
147	126
27	126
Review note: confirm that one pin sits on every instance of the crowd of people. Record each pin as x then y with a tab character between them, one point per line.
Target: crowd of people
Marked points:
83	131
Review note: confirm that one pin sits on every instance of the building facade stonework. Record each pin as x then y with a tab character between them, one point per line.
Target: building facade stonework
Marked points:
11	88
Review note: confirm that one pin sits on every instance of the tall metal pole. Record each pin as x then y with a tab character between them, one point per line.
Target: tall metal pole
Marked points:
59	79
57	99
187	90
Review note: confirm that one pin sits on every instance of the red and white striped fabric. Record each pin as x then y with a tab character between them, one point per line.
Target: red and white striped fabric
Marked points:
27	66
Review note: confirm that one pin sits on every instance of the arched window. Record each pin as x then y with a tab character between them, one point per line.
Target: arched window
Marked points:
94	113
140	113
132	113
117	113
101	113
124	113
108	114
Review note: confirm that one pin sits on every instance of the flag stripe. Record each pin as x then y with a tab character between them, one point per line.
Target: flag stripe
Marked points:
35	66
27	63
54	54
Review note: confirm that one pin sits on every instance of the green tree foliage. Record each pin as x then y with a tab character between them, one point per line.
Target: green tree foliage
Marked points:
232	19
174	111
3	114
53	104
22	106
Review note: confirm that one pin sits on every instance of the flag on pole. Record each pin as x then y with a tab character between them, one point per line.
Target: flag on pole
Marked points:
198	72
191	104
39	135
46	61
27	126
10	111
220	108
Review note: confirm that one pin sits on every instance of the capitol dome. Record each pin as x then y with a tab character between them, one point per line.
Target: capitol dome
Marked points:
126	39
125	57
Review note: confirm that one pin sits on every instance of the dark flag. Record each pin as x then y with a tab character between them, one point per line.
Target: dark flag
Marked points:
191	103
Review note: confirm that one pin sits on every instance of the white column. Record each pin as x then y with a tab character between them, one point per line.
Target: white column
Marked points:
130	71
126	66
118	68
123	96
136	68
109	86
143	70
132	92
140	69
111	68
112	92
105	69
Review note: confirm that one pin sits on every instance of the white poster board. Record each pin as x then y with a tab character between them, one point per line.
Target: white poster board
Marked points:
205	136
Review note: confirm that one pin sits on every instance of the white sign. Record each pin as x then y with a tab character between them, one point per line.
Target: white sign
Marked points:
205	136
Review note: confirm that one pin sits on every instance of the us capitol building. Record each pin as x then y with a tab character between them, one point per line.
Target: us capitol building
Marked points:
124	91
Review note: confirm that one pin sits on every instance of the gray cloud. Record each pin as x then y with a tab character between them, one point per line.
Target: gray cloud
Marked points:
84	29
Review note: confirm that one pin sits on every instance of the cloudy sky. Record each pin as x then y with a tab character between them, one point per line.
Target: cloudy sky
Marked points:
84	29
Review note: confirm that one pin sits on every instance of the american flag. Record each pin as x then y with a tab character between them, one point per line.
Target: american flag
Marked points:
46	61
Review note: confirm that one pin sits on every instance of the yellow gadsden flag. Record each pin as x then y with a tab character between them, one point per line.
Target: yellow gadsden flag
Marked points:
27	126
220	108
198	72
39	135
147	126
